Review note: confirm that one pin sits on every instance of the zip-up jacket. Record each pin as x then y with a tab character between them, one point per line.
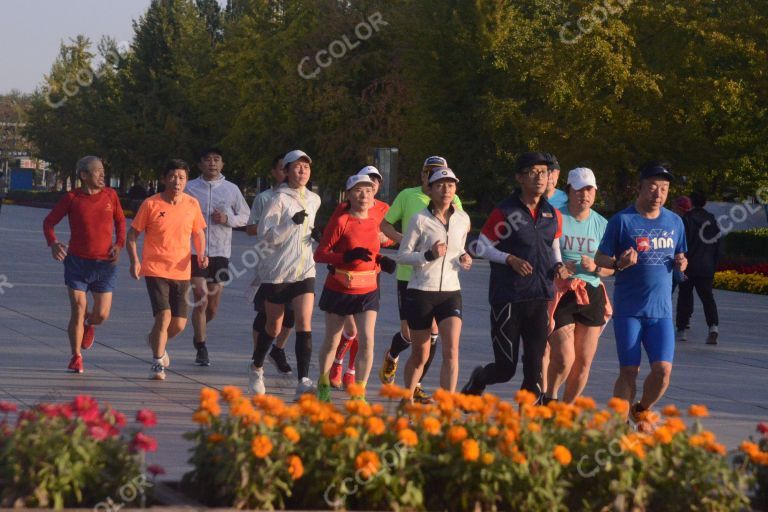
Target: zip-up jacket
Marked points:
424	229
288	258
514	229
222	195
703	236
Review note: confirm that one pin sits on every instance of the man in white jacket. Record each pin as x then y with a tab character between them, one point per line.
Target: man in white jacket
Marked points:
224	208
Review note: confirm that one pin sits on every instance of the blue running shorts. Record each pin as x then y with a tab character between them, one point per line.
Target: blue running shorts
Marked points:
657	335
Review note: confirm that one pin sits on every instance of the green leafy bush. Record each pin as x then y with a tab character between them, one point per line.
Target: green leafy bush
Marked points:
752	242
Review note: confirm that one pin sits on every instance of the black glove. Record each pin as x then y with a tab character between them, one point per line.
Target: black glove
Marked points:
317	234
358	253
298	217
388	265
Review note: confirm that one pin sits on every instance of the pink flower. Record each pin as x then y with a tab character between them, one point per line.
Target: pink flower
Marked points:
65	410
7	407
156	469
144	443
83	403
98	432
762	428
49	410
119	418
146	417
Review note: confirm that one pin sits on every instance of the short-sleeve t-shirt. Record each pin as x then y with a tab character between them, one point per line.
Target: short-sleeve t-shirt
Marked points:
558	199
581	238
644	289
409	202
167	231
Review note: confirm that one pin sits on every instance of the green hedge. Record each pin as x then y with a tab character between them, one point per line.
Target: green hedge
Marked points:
752	242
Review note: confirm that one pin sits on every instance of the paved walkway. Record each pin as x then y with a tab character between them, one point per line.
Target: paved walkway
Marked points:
730	378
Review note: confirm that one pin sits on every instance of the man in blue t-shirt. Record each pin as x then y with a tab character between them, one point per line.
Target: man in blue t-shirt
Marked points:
644	243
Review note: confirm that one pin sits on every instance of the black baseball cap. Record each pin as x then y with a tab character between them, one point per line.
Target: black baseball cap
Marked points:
553	163
655	170
529	159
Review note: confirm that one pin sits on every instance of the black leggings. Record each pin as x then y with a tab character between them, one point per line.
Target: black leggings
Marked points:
703	287
509	323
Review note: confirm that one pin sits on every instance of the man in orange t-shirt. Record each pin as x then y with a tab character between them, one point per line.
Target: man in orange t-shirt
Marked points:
168	220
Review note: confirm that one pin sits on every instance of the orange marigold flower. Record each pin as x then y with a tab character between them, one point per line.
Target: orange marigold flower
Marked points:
563	421
519	458
377	409
534	427
401	423
585	402
367	463
670	411
431	425
717	448
291	434
215	438
208	395
697	440
676	425
240	407
619	405
295	467
351	432
375	426
457	434
392	391
488	458
633	443
408	437
562	455
231	393
356	390
269	421
493	431
759	458
749	447
708	436
202	417
470	450
330	429
355	420
261	446
698	411
525	397
663	434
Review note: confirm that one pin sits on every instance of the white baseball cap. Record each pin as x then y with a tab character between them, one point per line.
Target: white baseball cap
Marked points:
294	155
581	177
357	179
369	170
442	173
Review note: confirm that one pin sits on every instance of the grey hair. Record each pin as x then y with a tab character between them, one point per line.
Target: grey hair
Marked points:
84	164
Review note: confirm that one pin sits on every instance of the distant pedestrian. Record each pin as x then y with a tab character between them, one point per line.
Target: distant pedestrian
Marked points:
554	195
2	190
703	236
97	227
168	221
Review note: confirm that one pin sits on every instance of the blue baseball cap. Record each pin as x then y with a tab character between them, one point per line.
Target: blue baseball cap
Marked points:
435	161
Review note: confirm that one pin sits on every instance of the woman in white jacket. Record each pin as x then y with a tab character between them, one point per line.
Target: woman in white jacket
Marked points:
434	244
288	269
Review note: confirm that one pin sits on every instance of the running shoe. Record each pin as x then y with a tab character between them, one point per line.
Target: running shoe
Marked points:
76	364
349	378
256	380
473	387
712	336
89	334
277	357
681	335
323	392
201	359
420	396
644	419
305	386
335	374
157	372
388	370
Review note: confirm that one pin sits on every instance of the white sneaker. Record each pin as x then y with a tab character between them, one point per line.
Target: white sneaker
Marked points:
712	336
305	386
256	380
682	335
165	360
157	372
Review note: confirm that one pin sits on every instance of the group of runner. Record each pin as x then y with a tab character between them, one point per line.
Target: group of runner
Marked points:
548	251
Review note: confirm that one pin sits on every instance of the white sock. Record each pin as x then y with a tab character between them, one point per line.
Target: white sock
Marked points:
713	328
157	360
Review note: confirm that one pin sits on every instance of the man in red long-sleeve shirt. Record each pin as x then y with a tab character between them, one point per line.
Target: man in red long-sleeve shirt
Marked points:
90	259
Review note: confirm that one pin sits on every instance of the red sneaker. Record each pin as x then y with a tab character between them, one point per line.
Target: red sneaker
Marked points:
349	378
89	334
76	364
335	375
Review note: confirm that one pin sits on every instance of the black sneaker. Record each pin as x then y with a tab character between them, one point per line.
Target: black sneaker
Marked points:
202	357
472	387
277	356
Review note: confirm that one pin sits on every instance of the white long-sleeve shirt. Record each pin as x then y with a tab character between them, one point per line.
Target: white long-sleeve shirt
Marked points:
224	196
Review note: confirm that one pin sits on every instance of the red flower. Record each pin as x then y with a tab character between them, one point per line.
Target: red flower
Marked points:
762	428
156	469
65	410
7	407
83	403
48	410
144	443
146	417
98	432
119	418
